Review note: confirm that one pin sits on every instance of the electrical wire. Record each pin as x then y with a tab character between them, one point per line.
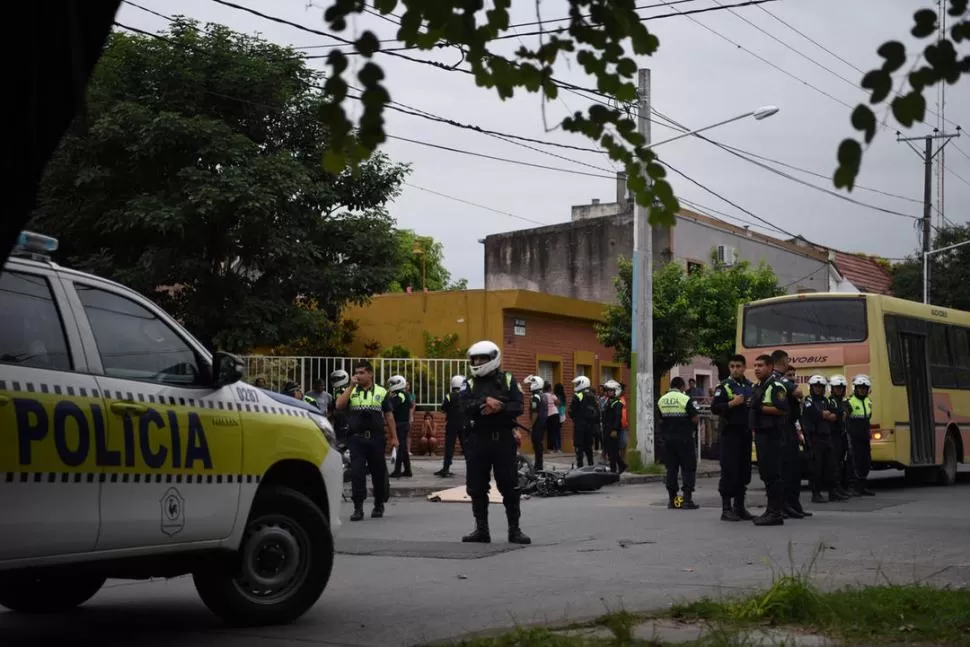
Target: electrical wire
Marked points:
812	40
475	204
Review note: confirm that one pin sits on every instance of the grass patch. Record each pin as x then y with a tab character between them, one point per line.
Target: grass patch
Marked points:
865	615
635	465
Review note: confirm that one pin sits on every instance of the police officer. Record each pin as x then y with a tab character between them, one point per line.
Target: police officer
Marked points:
295	391
791	467
401	405
678	420
339	380
858	416
840	445
584	410
369	411
613	425
768	418
492	402
818	418
539	414
454	423
731	399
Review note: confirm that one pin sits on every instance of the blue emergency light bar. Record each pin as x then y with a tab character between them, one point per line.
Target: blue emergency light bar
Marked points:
31	244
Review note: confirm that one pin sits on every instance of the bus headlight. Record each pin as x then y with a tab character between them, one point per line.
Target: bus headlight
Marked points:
877	435
325	428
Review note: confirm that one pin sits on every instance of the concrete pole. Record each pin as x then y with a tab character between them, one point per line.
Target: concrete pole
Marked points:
641	340
927	214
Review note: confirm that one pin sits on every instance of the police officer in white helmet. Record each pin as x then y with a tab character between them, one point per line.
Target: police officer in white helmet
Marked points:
492	403
454	424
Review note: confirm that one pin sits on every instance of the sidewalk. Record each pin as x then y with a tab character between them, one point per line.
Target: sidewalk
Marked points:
424	482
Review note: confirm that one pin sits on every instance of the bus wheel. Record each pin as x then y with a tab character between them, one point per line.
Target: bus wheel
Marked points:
947	472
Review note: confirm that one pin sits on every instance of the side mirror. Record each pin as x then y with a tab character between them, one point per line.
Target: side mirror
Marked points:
226	369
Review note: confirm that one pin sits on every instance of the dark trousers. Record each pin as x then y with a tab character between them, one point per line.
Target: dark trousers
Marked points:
597	438
767	443
554	433
680	454
611	443
486	453
791	467
403	455
451	435
538	435
583	443
367	455
861	454
735	461
824	463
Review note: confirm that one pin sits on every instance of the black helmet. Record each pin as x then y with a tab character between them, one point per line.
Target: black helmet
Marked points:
290	388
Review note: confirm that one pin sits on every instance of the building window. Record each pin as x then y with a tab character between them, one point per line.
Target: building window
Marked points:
693	266
608	373
584	369
550	371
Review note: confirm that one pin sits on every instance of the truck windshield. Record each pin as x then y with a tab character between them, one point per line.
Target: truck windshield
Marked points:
807	321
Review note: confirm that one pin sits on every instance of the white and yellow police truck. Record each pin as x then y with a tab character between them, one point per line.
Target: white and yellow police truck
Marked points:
127	450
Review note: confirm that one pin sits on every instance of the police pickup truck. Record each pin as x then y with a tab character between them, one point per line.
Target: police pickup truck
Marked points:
129	451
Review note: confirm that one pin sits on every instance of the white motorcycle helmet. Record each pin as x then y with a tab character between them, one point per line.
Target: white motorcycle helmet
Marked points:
581	383
484	357
837	380
339	378
817	379
861	380
534	382
396	383
457	382
614	386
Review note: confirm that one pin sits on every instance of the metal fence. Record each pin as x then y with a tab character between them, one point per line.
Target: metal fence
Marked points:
430	379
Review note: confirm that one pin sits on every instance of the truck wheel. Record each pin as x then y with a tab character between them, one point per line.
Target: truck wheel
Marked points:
947	472
47	593
283	564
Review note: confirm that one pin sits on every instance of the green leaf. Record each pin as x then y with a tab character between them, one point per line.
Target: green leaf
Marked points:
926	23
367	44
880	83
864	119
909	108
849	157
895	54
334	161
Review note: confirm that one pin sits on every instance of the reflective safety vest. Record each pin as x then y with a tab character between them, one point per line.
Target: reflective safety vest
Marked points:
508	382
365	411
674	405
860	408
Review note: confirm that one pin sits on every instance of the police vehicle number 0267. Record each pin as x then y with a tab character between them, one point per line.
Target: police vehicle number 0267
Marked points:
128	451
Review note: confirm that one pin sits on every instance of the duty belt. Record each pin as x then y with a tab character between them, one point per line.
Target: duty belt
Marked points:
366	435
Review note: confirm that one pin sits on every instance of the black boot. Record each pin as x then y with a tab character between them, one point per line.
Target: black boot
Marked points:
378	511
842	492
689	501
818	498
863	490
773	514
789	512
727	510
741	510
797	505
670	502
358	511
835	496
480	535
512	513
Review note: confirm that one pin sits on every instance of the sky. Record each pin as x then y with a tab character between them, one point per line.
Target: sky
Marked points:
710	67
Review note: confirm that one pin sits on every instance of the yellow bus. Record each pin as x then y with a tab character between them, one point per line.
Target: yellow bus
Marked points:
918	357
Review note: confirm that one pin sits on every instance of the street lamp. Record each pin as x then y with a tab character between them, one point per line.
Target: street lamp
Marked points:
926	262
642	344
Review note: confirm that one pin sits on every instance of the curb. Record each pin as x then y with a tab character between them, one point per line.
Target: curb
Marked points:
632	479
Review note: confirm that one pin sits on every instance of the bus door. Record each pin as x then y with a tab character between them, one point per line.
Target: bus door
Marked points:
922	431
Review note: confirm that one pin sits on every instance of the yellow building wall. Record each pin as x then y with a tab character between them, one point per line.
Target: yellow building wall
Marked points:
401	319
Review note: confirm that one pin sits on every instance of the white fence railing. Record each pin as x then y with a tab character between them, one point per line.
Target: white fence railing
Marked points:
430	379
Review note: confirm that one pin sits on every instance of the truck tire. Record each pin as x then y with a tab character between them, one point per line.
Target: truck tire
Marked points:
282	567
49	592
947	472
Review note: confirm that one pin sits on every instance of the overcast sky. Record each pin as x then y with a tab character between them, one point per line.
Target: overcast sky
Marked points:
698	78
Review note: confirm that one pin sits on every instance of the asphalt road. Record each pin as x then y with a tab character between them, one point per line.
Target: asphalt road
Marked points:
407	580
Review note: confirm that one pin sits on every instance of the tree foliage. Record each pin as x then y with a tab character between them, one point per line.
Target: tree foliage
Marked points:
949	272
422	264
217	207
693	314
943	64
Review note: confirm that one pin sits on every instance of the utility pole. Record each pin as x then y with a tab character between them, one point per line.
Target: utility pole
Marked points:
641	337
927	155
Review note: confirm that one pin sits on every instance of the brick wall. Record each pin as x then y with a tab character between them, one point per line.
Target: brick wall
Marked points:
548	336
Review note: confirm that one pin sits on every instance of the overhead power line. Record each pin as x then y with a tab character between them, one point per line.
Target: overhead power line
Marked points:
475	204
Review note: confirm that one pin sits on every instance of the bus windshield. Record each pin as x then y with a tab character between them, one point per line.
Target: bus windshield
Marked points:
805	321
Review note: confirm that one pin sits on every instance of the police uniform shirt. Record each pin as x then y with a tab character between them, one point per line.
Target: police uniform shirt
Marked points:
401	405
858	413
366	409
539	408
583	408
726	391
612	415
812	410
794	407
769	393
454	416
676	410
501	386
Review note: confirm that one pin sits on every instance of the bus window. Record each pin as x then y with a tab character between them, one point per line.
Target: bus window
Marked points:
809	321
896	368
941	368
960	354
